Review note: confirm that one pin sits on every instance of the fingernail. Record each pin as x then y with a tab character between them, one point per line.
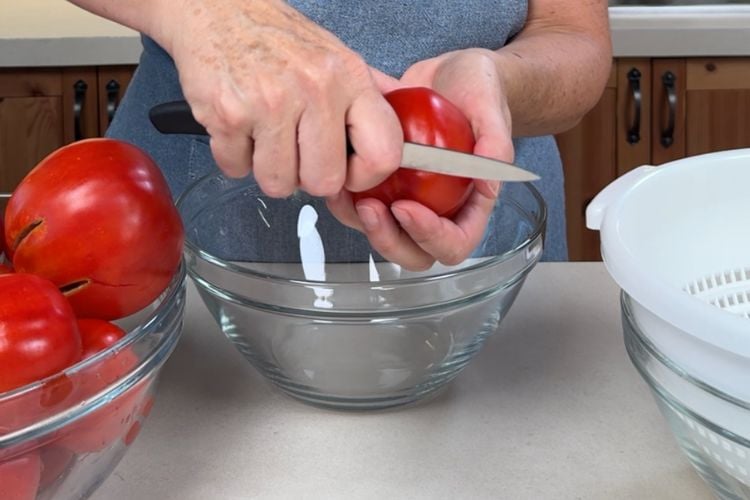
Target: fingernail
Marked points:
368	217
402	216
495	187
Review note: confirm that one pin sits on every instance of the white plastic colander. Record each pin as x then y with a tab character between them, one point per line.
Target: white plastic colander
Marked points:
676	239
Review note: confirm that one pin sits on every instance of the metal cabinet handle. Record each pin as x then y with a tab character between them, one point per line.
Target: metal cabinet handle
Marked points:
79	97
667	135
113	93
634	131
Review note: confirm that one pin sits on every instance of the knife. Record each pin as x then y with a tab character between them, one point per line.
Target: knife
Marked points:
176	118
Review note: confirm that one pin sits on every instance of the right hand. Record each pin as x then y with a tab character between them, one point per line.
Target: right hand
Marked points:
277	94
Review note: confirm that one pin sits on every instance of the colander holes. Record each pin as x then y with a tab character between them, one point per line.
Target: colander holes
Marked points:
728	290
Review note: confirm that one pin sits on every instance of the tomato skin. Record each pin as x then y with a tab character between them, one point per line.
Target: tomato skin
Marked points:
38	331
104	426
5	269
19	477
98	214
97	335
2	235
427	118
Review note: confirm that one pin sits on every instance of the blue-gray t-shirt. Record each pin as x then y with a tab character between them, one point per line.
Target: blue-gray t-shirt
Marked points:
391	35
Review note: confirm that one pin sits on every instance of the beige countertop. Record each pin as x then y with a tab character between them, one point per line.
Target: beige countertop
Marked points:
57	33
551	409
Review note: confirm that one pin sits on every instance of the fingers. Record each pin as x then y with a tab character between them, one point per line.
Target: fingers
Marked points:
233	154
384	83
492	132
491	128
415	237
493	141
376	136
450	242
322	151
341	207
275	159
304	147
277	92
389	240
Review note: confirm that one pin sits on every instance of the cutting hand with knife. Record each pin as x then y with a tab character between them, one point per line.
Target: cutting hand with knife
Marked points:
278	85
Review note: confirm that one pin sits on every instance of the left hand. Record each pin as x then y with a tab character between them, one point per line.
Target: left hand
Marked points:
410	234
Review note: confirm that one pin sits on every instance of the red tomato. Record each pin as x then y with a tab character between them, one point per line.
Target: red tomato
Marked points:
2	235
38	332
427	118
97	335
5	269
96	217
19	477
103	427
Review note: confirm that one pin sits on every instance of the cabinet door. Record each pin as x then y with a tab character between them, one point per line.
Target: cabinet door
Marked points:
717	104
633	113
31	121
589	160
37	116
112	82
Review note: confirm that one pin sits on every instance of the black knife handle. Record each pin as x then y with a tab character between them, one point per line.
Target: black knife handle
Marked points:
176	117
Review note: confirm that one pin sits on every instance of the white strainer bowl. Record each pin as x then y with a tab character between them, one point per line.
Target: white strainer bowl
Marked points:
676	239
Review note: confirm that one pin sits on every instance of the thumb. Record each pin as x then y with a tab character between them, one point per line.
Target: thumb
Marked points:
493	140
492	134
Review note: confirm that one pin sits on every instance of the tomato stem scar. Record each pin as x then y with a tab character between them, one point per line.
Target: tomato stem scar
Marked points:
75	286
26	232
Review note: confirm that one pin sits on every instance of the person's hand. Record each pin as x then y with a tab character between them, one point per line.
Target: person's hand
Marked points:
277	94
408	233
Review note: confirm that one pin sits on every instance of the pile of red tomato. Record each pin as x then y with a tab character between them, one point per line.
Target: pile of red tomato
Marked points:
90	235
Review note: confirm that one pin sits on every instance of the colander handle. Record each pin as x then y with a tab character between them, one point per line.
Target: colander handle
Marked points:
614	191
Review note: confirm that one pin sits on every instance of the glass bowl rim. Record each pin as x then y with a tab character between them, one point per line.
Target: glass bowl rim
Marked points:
663	359
540	223
145	366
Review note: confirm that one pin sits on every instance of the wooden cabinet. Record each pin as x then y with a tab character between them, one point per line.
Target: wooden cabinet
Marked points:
659	110
588	153
44	109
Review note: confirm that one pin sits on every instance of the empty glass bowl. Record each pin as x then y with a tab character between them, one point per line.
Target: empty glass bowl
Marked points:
325	318
62	436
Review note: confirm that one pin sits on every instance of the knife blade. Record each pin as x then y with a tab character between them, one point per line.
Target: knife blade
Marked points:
176	118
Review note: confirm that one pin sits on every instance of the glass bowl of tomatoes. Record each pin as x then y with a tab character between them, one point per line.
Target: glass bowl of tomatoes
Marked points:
317	312
61	436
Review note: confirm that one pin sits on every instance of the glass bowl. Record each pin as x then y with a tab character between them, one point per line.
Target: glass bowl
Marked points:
61	437
318	313
711	426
